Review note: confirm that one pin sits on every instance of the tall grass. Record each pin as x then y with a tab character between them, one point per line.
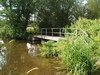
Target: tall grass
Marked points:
76	53
92	27
79	54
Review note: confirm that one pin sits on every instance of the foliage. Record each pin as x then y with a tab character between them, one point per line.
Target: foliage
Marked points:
5	29
76	53
0	39
30	30
79	54
17	13
92	27
32	27
47	49
93	9
58	13
47	13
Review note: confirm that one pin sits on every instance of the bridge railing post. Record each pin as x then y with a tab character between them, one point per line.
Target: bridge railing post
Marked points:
41	31
52	31
46	31
60	32
65	32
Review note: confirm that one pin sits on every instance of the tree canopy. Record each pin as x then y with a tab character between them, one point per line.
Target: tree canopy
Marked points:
15	14
93	9
58	13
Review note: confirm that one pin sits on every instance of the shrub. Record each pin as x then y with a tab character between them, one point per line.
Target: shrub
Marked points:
30	30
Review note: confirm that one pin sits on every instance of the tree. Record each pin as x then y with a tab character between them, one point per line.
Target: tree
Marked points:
48	13
17	13
93	9
58	13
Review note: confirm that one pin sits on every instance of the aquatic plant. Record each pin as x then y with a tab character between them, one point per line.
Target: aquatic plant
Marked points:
47	49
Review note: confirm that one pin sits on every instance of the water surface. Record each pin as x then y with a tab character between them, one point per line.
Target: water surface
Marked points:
19	57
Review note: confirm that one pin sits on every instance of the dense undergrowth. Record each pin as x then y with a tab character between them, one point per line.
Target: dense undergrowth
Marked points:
78	53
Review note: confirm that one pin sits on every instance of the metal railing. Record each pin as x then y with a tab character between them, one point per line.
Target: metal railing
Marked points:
61	32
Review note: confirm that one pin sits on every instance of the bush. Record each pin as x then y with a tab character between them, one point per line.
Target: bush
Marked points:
30	30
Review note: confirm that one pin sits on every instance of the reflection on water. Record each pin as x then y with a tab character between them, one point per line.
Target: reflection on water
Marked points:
2	55
21	58
2	61
31	49
1	42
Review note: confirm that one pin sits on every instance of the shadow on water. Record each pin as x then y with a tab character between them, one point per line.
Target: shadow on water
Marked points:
22	58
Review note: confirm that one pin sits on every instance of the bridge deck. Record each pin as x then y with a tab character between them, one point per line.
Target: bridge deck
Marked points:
53	38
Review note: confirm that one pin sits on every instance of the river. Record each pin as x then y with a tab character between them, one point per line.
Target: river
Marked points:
19	57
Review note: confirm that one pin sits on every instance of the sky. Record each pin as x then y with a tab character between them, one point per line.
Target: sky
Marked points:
84	2
1	8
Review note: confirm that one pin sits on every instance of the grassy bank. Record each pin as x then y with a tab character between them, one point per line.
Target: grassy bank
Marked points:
79	54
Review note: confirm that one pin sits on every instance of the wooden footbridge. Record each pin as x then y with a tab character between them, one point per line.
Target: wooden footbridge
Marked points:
57	33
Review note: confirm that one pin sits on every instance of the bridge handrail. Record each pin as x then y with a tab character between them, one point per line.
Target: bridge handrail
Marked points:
61	31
